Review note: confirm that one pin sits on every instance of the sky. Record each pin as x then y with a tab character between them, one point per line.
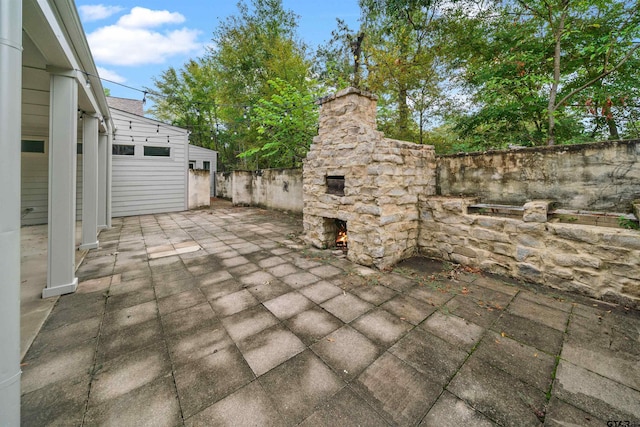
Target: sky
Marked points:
133	41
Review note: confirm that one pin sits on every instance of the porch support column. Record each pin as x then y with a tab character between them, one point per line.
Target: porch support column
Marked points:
102	181
89	182
109	171
10	135
63	136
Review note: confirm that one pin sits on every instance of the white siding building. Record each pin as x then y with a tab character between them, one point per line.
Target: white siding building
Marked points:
149	169
149	166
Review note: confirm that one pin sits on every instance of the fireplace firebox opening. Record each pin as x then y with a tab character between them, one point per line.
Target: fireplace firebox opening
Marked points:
341	234
335	185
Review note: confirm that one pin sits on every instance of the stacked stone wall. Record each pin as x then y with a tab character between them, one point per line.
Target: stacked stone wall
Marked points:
601	262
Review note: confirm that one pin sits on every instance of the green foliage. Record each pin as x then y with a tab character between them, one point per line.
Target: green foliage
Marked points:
333	63
628	224
286	124
216	96
190	98
401	64
533	68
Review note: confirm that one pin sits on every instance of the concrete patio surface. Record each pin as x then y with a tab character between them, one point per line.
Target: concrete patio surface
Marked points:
34	310
222	317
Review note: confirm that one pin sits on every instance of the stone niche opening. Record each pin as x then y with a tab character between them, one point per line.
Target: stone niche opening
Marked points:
335	185
372	183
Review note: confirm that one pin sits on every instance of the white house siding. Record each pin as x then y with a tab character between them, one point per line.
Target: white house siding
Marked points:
140	185
148	184
35	186
199	155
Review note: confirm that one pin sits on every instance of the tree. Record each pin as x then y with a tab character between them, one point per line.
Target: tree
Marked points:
251	49
334	63
287	122
189	98
400	57
216	96
526	61
566	18
497	62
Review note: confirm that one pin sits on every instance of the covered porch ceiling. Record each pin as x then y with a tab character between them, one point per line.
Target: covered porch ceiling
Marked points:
53	40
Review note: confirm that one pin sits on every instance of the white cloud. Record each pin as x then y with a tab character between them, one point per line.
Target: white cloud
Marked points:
141	17
97	12
135	46
131	41
110	75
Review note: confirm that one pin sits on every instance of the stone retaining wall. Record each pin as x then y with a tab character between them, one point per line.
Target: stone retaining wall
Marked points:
199	188
268	188
602	176
598	261
224	185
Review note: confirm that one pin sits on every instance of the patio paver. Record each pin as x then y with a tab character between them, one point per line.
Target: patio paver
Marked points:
221	317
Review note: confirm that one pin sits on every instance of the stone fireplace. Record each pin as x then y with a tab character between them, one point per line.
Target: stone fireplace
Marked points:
372	184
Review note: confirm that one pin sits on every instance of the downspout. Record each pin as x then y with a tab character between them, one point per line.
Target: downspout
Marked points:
10	136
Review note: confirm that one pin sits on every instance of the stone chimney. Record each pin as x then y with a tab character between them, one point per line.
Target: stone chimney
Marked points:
354	174
348	105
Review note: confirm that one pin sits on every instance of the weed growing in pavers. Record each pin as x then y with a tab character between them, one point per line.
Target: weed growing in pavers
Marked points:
553	377
372	280
94	370
406	272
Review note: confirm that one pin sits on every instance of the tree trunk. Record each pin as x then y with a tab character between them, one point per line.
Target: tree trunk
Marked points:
356	50
421	140
551	138
613	129
403	112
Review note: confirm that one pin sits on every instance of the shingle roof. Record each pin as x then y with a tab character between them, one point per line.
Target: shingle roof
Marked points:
133	106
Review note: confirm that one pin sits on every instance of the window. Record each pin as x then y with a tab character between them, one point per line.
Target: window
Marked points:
206	166
32	146
157	151
78	148
192	164
123	150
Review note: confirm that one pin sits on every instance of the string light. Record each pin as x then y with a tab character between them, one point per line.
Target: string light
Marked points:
145	92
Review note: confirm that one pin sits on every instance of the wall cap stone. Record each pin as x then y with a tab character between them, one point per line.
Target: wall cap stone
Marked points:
345	92
536	210
545	149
